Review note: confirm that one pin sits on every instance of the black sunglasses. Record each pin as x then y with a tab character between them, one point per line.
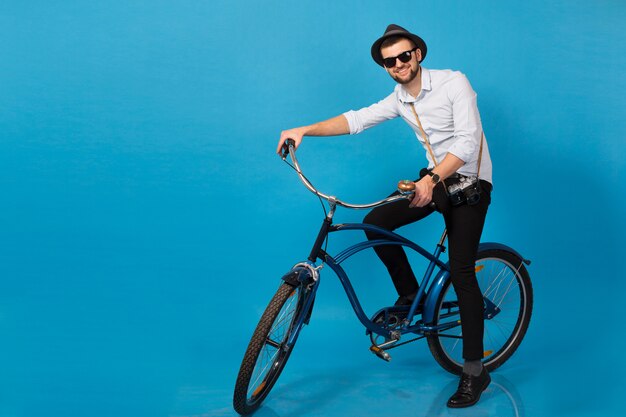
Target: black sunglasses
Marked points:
403	57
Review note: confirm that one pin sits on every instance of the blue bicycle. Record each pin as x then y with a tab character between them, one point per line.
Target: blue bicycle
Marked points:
500	270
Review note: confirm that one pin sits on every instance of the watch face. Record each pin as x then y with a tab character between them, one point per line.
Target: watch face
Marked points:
435	178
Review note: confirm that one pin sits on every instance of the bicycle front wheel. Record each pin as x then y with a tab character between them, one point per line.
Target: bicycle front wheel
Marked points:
269	348
508	298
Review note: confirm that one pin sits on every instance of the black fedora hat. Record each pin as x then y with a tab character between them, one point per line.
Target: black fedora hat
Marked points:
395	30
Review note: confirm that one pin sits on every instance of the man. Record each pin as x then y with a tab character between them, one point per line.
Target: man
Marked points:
440	107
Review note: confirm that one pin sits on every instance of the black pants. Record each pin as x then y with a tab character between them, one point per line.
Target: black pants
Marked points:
464	224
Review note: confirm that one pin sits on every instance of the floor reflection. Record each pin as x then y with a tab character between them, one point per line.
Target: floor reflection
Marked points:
360	394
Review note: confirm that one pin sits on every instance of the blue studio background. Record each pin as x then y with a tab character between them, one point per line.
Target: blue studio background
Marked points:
146	219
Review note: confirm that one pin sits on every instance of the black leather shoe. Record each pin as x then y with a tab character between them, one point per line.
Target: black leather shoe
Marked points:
470	388
403	304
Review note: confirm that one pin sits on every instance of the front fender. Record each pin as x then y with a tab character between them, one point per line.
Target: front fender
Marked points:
297	276
300	276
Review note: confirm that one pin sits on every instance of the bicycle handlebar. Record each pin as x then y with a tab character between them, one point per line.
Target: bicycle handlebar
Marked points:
406	188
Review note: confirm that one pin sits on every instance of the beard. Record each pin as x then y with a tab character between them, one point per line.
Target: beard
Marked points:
407	78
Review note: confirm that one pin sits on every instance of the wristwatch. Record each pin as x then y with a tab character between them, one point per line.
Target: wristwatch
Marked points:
434	177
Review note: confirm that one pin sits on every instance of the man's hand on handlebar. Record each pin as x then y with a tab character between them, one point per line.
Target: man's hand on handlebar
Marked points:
295	134
423	192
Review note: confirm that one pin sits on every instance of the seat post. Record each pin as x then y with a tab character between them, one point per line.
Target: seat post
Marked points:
443	239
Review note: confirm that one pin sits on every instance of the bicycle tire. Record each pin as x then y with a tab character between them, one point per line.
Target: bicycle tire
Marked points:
502	338
265	356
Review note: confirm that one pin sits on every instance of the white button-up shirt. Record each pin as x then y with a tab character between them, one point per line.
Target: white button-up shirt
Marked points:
447	109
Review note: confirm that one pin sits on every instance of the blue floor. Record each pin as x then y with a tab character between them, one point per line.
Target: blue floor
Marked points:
349	381
123	335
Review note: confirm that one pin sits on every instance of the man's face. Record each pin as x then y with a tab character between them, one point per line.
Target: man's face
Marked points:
402	72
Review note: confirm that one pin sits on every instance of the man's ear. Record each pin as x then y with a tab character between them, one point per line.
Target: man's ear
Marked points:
418	54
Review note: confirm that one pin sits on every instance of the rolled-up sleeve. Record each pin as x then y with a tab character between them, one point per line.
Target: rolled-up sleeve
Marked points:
367	117
467	126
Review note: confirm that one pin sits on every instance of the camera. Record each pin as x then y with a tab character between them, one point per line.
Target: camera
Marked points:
465	191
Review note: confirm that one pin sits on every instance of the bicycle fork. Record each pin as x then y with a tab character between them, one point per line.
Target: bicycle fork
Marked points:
305	276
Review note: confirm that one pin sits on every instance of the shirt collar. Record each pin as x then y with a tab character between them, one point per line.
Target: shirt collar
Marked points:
426	85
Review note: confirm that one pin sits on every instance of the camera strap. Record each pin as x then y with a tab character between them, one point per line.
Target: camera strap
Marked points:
480	153
424	135
430	149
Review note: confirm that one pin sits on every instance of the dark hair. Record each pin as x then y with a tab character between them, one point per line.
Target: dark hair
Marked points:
393	40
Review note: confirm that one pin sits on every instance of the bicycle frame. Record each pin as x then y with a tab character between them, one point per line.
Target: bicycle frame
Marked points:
429	287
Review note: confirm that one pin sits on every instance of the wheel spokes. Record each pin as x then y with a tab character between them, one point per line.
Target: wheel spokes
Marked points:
273	346
500	328
258	373
498	281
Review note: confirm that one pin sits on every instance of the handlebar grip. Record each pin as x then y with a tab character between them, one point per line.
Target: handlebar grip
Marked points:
285	148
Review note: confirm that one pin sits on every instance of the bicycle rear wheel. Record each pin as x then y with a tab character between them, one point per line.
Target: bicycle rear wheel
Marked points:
508	295
269	348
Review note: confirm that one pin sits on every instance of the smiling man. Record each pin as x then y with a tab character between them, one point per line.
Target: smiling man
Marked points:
440	106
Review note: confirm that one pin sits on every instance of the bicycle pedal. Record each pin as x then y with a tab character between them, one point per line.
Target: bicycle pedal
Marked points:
380	353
